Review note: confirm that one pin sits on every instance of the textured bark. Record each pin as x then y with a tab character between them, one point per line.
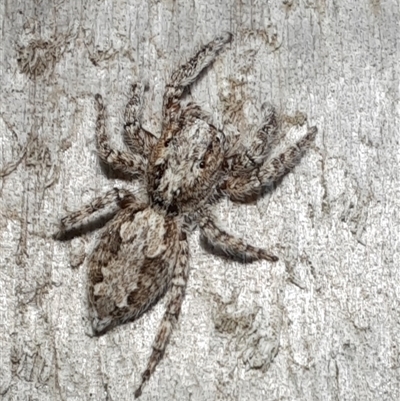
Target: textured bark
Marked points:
331	303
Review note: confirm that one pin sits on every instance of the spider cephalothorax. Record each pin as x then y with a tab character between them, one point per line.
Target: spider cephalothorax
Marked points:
186	166
142	252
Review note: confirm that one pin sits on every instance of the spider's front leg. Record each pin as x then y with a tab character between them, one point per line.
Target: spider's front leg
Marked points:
187	73
175	294
243	185
132	164
255	147
226	242
103	206
137	139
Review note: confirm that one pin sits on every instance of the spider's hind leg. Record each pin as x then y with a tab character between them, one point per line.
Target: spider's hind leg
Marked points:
136	137
170	318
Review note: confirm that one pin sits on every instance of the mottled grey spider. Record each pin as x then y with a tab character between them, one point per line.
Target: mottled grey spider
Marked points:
143	252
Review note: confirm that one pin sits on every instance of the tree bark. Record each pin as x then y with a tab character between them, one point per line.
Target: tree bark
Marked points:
323	322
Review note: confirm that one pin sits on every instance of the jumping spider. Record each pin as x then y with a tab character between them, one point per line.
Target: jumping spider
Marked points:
142	253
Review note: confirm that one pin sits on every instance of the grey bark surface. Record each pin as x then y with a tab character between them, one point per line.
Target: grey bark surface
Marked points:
324	321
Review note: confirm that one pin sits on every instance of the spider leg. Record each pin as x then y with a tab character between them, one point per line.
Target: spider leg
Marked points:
125	162
242	186
137	139
187	73
170	318
229	244
256	146
278	166
105	205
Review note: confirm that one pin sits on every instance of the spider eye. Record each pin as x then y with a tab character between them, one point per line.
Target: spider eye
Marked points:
173	210
202	164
